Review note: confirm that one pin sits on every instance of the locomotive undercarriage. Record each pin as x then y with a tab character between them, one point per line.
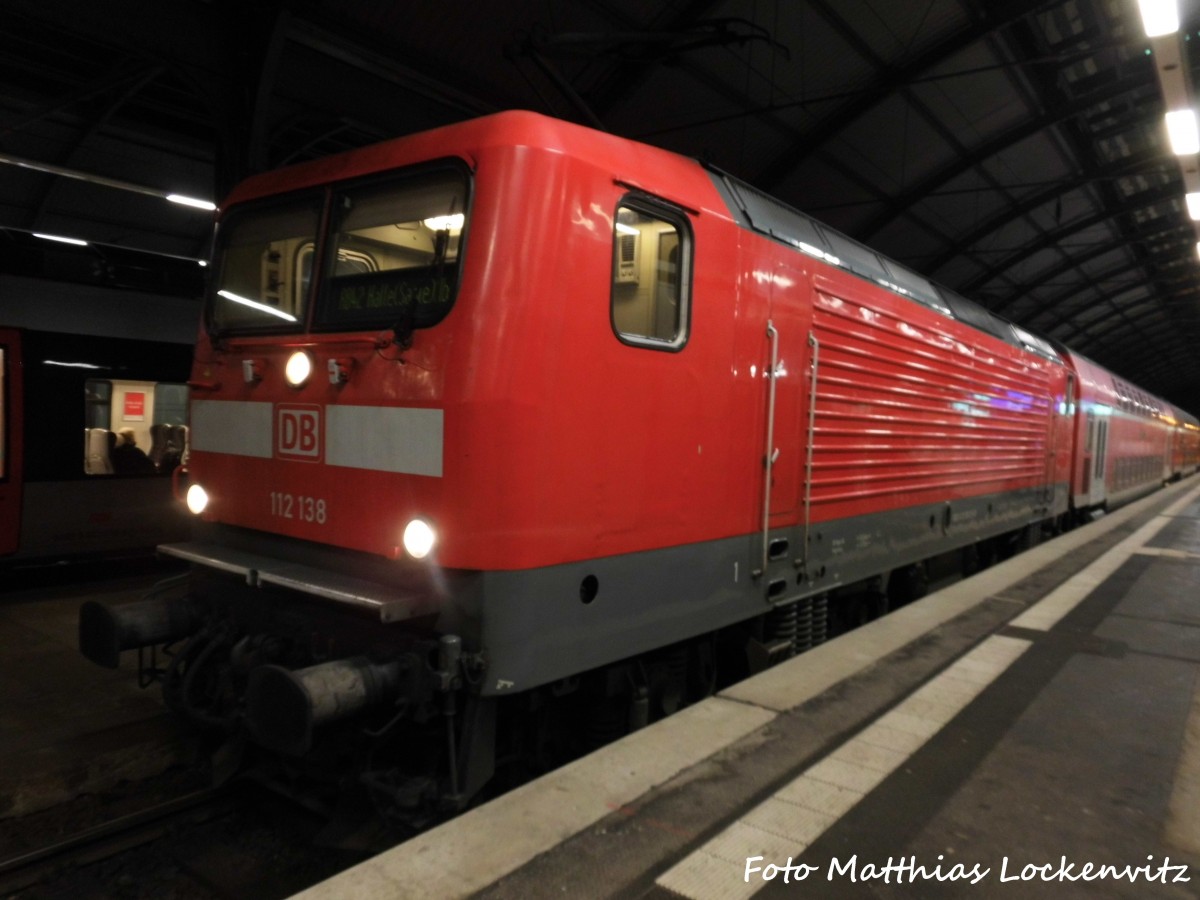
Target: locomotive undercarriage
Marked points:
314	702
316	699
283	685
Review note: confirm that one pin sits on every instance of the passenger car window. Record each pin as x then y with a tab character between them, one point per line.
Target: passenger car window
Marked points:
650	276
134	427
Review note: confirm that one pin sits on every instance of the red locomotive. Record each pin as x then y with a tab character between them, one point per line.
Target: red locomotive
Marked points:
513	416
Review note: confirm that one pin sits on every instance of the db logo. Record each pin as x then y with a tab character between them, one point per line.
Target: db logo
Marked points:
298	432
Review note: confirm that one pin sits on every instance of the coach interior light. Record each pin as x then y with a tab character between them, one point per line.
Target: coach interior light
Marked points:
452	223
1159	17
62	239
299	368
1183	132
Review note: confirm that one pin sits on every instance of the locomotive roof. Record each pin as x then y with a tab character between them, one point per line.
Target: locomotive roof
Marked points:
751	208
514	128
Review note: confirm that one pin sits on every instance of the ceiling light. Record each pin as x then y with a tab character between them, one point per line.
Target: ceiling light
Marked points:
62	240
104	181
183	200
1193	205
1181	129
69	365
1159	17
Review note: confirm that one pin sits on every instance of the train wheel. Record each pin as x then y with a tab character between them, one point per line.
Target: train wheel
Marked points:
1028	537
907	584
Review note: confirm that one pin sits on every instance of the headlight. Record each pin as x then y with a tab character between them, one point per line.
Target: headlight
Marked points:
197	499
419	538
299	367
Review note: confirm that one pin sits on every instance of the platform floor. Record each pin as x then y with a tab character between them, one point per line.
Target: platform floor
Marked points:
1010	735
67	726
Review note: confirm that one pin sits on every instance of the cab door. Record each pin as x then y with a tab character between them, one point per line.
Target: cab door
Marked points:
10	440
786	367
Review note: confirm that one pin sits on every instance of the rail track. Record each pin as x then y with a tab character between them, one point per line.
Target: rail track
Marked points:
94	844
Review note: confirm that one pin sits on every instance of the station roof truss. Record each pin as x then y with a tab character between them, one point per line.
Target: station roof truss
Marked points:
1011	150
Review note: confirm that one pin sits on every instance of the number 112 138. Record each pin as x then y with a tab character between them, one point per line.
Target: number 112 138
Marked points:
299	508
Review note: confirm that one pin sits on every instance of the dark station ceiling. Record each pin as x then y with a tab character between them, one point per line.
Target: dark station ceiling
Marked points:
1013	151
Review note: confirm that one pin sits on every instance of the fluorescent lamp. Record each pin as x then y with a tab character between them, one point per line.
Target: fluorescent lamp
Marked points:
1181	129
191	201
1193	205
622	228
1198	249
254	304
69	365
1159	17
62	240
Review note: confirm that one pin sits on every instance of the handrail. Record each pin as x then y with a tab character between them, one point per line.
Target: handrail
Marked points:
772	453
808	463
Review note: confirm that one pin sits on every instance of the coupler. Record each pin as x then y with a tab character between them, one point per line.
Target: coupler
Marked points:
104	631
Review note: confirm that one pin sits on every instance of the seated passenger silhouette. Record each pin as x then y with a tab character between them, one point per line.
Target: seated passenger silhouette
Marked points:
127	457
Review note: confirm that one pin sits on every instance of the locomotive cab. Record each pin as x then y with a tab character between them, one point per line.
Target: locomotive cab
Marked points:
389	362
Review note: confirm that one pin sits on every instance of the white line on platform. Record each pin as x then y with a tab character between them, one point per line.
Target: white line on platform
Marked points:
780	829
479	847
787	686
1048	611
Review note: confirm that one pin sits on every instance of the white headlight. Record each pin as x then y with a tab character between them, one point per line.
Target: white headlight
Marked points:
299	367
419	538
197	499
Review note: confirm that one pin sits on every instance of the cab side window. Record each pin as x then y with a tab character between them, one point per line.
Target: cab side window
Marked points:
651	275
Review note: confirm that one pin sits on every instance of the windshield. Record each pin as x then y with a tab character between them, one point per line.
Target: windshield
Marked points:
264	265
391	257
396	252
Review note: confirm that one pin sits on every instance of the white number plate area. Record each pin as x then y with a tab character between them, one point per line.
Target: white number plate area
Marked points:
298	508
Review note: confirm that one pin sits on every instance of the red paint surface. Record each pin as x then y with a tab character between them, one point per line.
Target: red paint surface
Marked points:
562	443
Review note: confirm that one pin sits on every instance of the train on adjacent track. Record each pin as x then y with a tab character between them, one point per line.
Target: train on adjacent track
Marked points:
512	435
69	385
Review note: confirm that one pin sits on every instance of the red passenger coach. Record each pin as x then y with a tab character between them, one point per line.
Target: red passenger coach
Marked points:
1185	443
512	414
1123	439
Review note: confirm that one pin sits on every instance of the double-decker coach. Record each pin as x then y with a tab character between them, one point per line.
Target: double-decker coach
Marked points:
1185	443
1123	439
